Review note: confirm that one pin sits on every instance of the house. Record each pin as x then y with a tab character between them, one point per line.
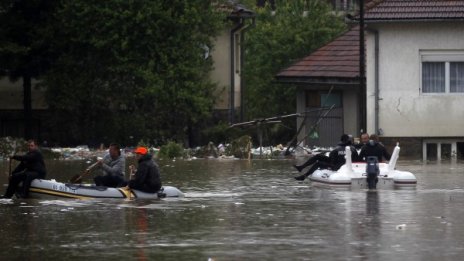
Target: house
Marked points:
228	58
328	77
414	77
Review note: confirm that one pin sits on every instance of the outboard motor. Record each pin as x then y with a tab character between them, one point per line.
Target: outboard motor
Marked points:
161	193
372	170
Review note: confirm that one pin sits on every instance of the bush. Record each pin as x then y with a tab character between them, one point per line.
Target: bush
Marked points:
240	148
171	150
10	146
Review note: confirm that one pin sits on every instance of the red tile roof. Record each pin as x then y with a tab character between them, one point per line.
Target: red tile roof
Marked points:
388	10
338	59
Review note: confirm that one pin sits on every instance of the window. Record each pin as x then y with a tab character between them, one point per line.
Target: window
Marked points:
442	72
317	99
343	5
457	77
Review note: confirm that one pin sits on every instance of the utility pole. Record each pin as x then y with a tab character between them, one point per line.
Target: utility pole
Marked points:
362	70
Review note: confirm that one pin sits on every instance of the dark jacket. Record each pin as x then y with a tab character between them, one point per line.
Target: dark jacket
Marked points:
337	156
31	161
147	177
374	149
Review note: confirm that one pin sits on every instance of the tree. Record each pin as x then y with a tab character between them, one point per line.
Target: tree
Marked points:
131	68
278	40
24	46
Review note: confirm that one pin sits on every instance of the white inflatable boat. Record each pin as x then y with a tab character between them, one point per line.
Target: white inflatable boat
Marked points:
42	188
354	175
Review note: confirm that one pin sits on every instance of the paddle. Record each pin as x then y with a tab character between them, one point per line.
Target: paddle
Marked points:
126	190
11	160
78	178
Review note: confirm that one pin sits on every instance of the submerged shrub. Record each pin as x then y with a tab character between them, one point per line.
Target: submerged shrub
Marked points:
171	150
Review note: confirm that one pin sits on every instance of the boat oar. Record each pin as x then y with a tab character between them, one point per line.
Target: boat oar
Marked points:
9	172
78	178
11	160
127	192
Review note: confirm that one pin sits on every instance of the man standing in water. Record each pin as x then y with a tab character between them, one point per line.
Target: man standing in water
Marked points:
32	166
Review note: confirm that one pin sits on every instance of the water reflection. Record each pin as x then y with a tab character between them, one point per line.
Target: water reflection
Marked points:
369	227
240	210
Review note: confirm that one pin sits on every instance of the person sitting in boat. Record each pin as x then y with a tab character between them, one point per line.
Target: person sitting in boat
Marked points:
112	165
374	148
334	161
363	140
147	176
32	166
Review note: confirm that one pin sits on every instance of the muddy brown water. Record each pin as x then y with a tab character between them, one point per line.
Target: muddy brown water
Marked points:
241	210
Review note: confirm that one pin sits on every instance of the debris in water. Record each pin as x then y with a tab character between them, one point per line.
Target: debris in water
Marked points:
402	226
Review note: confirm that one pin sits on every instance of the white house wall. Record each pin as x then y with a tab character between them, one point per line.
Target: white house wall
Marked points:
403	110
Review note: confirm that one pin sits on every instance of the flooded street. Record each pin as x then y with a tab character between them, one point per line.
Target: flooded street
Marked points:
240	210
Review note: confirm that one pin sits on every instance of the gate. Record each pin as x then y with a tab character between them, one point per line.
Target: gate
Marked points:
329	130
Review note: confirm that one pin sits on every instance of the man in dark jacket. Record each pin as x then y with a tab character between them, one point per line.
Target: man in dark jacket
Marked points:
32	166
335	160
147	177
374	148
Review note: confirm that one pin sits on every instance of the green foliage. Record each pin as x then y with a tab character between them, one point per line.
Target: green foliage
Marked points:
171	150
143	143
126	70
26	33
135	67
10	146
276	42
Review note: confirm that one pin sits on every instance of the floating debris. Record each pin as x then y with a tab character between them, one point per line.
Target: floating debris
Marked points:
400	227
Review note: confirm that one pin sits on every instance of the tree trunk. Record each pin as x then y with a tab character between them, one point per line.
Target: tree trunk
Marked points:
27	102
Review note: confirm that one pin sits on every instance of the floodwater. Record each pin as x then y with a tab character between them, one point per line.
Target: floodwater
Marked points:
241	210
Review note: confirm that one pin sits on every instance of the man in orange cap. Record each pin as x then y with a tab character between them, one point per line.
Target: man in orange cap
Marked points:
147	176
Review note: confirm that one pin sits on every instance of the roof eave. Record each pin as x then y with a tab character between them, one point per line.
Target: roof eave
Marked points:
355	20
367	21
317	80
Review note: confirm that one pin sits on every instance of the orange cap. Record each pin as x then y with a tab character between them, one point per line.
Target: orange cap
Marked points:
141	150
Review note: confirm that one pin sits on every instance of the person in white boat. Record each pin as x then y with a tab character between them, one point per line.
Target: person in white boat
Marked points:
334	161
147	176
374	148
32	166
112	165
363	140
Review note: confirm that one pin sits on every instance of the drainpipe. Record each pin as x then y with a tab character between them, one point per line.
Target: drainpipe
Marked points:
232	70
376	80
242	62
376	84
